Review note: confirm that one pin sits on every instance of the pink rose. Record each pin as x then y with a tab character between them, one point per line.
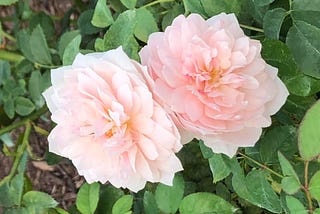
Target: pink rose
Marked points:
109	125
212	80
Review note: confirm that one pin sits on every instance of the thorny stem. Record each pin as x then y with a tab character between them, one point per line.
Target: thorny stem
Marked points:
20	151
156	2
306	185
261	165
22	122
251	28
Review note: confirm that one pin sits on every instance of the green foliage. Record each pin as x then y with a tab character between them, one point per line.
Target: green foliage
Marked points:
309	136
168	198
204	202
88	197
280	174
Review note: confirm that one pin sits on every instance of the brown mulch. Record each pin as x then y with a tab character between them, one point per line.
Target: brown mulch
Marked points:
61	181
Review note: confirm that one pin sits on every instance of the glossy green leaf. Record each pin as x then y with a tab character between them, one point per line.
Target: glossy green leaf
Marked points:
290	183
146	24
304	36
219	168
4	71
310	17
272	22
38	200
314	186
204	202
23	39
46	24
149	203
302	85
169	197
71	50
39	46
87	198
309	135
130	4
23	106
35	88
102	16
214	7
123	205
295	206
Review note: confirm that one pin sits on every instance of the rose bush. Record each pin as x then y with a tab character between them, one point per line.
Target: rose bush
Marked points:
109	125
213	81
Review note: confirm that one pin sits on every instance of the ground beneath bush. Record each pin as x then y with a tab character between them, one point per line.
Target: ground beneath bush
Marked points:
61	181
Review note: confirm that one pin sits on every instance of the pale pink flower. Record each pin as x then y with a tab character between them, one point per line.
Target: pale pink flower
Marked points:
212	80
109	125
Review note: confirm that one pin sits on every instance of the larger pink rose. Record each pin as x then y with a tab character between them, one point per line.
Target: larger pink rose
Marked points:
213	81
109	125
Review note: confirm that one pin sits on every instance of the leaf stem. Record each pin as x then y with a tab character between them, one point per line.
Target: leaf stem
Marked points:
38	65
306	185
8	36
22	122
10	56
252	28
20	151
156	2
261	165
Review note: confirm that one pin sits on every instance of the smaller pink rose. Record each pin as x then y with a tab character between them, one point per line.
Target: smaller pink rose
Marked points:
109	125
212	80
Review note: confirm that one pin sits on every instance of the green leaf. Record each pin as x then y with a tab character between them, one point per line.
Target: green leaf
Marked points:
46	24
206	151
193	6
309	5
71	50
23	39
290	183
304	36
7	2
214	7
169	197
272	22
219	168
256	189
87	198
38	200
146	24
295	206
314	186
278	138
149	203
204	202
108	196
102	16
65	39
9	107
4	71
130	4
23	106
123	205
171	14
310	17
121	34
316	211
39	46
35	89
99	44
84	23
263	2
308	134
